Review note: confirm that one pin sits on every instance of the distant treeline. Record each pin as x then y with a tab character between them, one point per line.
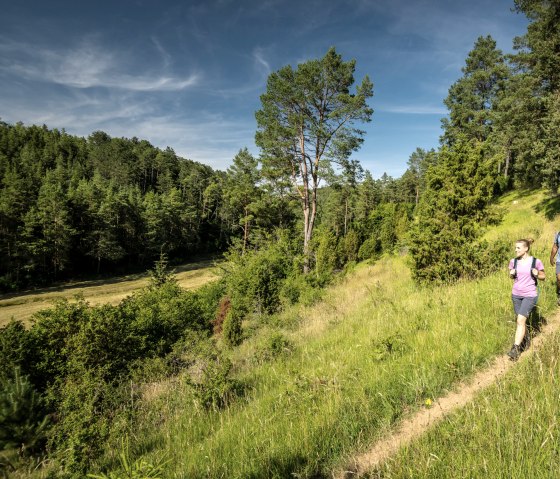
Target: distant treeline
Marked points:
71	206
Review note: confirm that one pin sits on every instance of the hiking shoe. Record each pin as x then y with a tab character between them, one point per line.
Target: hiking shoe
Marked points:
514	353
526	342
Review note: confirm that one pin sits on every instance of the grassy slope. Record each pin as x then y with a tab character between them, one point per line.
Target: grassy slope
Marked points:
375	349
510	430
112	291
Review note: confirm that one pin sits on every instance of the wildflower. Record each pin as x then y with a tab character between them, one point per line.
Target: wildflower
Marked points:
428	402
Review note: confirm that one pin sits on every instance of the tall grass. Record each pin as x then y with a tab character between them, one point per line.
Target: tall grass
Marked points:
510	430
375	349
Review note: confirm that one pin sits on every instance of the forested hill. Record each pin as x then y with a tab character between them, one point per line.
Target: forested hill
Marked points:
70	205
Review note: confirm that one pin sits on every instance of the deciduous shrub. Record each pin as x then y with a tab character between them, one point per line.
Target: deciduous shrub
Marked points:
254	278
274	345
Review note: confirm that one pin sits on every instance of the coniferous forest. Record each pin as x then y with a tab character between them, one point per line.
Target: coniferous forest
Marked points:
285	223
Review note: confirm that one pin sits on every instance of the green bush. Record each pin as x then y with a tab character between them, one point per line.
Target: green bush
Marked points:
208	298
14	348
232	330
215	388
296	288
254	278
274	345
23	420
349	246
87	407
83	359
48	337
369	249
159	316
326	256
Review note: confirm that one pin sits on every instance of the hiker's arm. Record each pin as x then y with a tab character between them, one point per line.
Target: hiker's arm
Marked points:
553	254
541	275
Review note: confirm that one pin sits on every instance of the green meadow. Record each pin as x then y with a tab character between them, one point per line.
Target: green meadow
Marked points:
319	384
110	291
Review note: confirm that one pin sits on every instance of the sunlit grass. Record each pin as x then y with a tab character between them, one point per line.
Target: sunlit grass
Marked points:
509	430
376	348
111	291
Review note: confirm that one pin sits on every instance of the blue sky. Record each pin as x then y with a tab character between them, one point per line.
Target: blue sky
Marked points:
189	74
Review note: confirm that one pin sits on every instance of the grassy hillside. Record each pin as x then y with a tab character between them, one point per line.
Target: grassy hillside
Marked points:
321	383
511	429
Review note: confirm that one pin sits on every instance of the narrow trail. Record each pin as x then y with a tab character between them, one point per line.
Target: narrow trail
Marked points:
417	424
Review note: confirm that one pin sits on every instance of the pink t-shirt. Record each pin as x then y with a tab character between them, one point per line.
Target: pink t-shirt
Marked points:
524	284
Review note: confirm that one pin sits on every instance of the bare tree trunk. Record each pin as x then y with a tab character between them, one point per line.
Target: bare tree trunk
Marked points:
345	215
245	231
508	159
306	238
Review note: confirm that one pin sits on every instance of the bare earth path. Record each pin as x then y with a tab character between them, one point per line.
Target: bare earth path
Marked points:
422	420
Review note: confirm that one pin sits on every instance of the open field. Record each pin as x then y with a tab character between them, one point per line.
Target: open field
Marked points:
22	306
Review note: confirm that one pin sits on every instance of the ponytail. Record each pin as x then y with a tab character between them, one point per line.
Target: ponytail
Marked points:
527	242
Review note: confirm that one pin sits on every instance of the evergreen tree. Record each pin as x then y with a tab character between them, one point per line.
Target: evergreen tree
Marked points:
306	120
49	224
458	190
418	163
471	98
242	192
368	197
533	123
23	422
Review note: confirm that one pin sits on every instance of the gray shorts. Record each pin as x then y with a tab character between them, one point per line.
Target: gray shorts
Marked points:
523	305
558	267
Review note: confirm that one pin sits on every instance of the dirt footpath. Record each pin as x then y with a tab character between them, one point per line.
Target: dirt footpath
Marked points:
416	425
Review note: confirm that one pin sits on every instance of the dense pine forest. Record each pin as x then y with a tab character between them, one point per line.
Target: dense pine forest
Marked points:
73	207
286	223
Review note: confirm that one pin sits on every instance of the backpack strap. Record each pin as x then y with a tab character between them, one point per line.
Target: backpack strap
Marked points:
515	264
533	265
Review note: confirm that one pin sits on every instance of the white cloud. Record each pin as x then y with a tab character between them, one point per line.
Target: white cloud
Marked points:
261	61
87	66
414	109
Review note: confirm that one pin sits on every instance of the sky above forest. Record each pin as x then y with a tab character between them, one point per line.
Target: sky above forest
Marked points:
189	74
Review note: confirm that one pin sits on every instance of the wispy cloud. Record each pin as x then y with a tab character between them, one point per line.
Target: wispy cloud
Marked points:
260	61
86	66
414	109
189	138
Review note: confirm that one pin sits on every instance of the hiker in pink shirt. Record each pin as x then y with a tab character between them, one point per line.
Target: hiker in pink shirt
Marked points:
525	271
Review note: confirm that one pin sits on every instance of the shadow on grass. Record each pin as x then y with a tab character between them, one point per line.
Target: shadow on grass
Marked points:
294	465
550	207
206	263
535	323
